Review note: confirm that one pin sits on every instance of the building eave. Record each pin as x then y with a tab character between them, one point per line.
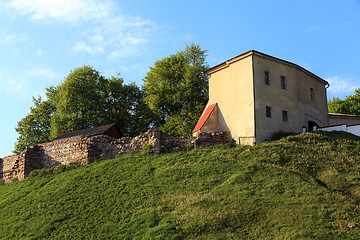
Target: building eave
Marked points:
225	64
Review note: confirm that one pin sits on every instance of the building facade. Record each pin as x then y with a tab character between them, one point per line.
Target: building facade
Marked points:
338	119
254	95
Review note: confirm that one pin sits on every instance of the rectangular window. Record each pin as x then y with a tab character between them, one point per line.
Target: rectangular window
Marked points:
268	112
283	82
284	116
267	79
312	94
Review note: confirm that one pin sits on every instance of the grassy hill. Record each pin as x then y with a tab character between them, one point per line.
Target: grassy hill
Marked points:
300	187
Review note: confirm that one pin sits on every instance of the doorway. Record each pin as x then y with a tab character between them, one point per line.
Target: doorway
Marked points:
311	126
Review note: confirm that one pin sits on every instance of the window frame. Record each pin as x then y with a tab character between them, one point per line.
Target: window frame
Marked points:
312	94
284	116
283	82
267	77
268	111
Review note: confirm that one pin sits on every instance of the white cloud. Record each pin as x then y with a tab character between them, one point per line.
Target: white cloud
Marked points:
67	10
83	47
118	36
28	82
9	38
101	29
15	88
341	85
44	72
97	38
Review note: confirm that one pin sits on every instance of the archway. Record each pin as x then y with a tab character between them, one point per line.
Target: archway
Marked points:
311	125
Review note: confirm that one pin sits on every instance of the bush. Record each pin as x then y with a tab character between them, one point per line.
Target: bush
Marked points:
41	172
14	180
280	134
189	147
74	164
60	169
147	149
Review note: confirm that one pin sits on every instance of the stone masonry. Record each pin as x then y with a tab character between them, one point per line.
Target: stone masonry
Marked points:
89	149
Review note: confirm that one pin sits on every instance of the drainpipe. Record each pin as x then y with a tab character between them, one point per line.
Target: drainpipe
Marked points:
326	87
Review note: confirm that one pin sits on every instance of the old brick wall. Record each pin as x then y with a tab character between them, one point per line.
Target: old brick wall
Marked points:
212	139
169	144
84	150
104	147
13	167
51	154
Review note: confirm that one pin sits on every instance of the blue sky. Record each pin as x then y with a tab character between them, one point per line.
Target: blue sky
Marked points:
42	40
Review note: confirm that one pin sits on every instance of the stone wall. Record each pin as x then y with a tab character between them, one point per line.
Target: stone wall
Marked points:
13	167
51	154
105	147
89	149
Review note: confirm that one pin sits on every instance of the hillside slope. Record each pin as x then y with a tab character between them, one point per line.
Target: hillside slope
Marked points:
300	187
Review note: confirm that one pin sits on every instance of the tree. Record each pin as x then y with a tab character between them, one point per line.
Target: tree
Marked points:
35	127
350	105
124	104
77	101
176	90
84	100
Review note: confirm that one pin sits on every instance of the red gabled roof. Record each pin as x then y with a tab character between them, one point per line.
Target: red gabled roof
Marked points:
204	117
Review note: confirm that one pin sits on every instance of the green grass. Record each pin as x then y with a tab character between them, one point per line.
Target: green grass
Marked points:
300	187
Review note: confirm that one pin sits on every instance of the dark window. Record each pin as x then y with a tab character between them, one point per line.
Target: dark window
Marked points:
268	112
283	82
284	116
267	79
312	94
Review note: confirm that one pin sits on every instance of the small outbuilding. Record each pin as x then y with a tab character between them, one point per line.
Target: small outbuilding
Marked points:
111	130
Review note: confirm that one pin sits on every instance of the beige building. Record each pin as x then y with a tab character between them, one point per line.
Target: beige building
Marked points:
253	95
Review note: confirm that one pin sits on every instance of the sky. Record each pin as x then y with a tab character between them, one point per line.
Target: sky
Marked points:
41	41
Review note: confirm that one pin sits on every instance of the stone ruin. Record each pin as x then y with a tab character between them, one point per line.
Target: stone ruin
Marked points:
84	150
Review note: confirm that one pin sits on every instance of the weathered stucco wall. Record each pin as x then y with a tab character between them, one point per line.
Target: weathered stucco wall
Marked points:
89	149
294	99
238	87
231	87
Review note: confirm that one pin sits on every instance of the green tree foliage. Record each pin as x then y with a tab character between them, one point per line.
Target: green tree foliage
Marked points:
350	105
176	90
35	127
84	100
77	101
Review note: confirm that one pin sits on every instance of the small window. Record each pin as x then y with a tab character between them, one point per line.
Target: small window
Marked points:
284	116
283	86
268	112
267	79
312	94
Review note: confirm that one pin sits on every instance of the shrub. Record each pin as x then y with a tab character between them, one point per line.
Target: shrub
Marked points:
277	135
147	149
41	172
74	164
60	169
14	180
189	147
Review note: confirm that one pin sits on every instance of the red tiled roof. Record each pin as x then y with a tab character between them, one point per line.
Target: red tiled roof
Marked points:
204	117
